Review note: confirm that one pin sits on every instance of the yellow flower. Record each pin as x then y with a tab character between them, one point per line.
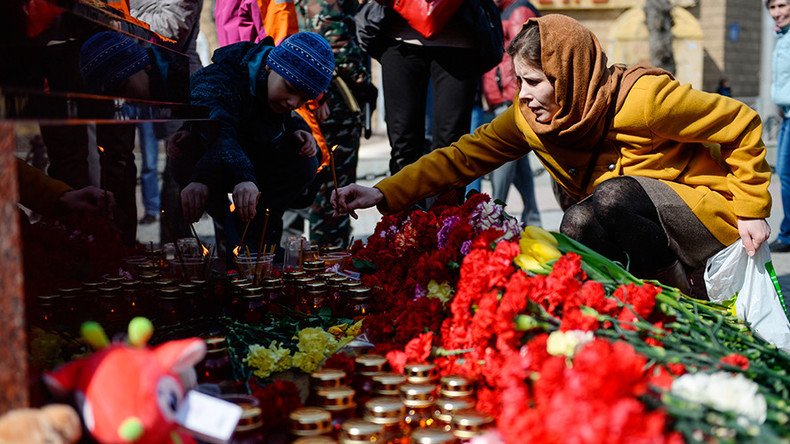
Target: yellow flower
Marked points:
266	361
442	292
528	263
355	329
308	362
537	233
315	340
338	331
542	251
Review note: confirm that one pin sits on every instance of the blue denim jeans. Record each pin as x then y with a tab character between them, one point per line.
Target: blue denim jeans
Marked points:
149	175
783	171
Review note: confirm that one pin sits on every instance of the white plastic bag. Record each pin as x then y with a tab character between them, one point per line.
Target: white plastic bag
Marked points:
730	272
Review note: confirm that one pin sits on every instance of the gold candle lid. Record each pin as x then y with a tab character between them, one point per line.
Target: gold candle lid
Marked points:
303	280
130	284
252	292
112	279
272	283
418	395
447	407
199	282
92	285
359	292
454	386
328	377
161	283
336	398
168	293
310	421
387	383
65	291
315	287
360	431
331	249
293	275
47	299
432	435
109	289
351	283
470	423
420	373
216	344
367	365
251	419
385	410
341	280
315	440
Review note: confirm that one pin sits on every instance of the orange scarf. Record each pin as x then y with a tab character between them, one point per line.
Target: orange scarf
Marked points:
584	87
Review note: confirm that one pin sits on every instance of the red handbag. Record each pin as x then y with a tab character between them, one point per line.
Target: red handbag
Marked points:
428	17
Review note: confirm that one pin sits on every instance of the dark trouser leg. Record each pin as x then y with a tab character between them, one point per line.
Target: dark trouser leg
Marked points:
119	175
172	221
405	72
341	129
620	221
454	87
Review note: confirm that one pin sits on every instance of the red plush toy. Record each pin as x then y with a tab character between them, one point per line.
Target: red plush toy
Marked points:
129	392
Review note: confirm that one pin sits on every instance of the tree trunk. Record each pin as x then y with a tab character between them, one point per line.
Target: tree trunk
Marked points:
659	22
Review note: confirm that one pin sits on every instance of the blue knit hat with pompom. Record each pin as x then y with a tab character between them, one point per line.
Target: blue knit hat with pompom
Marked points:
306	61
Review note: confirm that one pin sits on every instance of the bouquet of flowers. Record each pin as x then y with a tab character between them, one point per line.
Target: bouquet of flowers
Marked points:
567	346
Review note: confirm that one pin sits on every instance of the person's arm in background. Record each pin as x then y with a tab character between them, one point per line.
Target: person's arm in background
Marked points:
50	197
470	157
225	165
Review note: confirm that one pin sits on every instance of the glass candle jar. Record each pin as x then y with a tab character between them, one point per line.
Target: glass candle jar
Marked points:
249	429
389	413
420	373
216	366
446	408
252	307
315	440
46	311
432	436
327	378
111	306
471	423
387	384
310	421
454	386
339	401
365	367
360	431
419	401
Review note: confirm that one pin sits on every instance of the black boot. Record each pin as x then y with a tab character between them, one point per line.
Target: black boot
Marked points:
673	275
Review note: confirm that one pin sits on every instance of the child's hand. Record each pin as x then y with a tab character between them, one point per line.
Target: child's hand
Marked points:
307	145
193	201
245	197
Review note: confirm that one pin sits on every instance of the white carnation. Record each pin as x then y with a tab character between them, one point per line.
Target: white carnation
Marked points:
567	343
723	391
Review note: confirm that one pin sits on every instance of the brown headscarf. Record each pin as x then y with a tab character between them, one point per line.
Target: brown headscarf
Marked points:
585	88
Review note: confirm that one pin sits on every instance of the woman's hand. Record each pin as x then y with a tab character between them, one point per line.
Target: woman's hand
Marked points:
753	233
322	112
347	199
245	197
193	201
89	199
306	142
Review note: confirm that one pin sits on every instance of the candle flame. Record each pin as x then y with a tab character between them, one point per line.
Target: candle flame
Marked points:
101	148
205	250
237	250
232	207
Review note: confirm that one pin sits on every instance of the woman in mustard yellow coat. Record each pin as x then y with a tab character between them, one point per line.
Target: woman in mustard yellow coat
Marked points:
665	176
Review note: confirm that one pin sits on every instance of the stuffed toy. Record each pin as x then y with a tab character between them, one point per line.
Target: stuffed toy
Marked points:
52	424
130	393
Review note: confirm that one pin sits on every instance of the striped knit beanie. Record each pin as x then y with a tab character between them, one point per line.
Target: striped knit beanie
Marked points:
108	58
306	61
